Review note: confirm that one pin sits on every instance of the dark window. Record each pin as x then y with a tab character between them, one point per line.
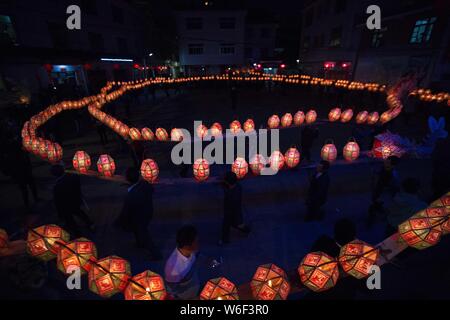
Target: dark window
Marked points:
7	34
340	6
336	37
422	30
195	49
227	48
378	38
194	23
117	14
58	35
122	45
89	7
96	42
227	23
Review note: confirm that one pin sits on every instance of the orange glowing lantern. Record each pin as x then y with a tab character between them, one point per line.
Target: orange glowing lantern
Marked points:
176	135
54	152
357	258
292	157
361	117
257	164
219	289
78	253
249	125
334	115
147	285
351	151
347	115
299	118
329	152
147	134
385	117
44	242
311	116
201	170
443	201
270	283
235	127
286	120
109	276
3	239
27	143
373	118
161	134
240	167
135	134
106	165
35	145
216	129
273	122
149	170
81	162
318	271
43	148
276	160
202	131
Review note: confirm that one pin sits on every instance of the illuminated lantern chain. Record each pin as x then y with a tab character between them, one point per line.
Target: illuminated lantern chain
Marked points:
54	152
373	117
334	115
249	125
357	258
276	160
147	134
299	118
270	283
443	201
219	289
109	276
27	143
362	117
78	253
292	157
286	120
385	117
351	151
106	165
347	115
273	122
216	129
311	116
202	131
201	170
149	170
81	162
147	285
240	167
35	145
161	134
3	239
257	164
176	135
135	134
329	152
44	242
318	271
235	127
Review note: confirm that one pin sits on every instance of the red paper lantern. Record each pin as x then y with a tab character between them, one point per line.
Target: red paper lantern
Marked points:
35	145
219	289
216	129
202	131
351	151
149	170
357	258
347	115
286	120
273	122
385	117
79	253
335	114
362	117
147	134
311	116
373	118
201	170
106	165
27	143
270	283
276	161
44	242
299	118
54	152
176	135
318	271
3	239
147	285
135	134
161	134
43	148
292	157
235	127
81	162
329	152
422	231
109	276
240	167
443	201
257	164
249	125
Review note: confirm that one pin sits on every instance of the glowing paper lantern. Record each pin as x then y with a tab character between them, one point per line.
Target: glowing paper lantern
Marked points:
109	276
35	145
81	162
147	285
329	152
286	120
270	283
235	127
161	134
362	117
357	258
335	114
299	118
257	163
147	134
438	217
373	118
240	167
318	271
249	125
216	129
3	239
292	157
202	131
311	116
176	135
276	160
106	165
201	169
149	170
77	253
44	242
54	152
385	117
135	134
273	122
347	115
420	231
219	289
27	143
443	201
351	151
43	148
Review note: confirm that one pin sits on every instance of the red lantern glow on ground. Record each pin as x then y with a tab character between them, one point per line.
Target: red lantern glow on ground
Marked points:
318	271
202	131
149	170
109	276
249	125
216	129
77	253
147	134
81	162
147	285
299	118
44	242
347	115
276	161
311	116
361	117
273	122
357	258
176	135
329	152
286	120
219	289
351	151
135	134
235	127
161	134
106	165
270	283
257	164
292	157
201	170
240	167
373	118
335	114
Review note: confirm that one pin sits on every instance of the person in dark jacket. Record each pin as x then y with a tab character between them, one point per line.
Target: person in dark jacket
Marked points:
309	134
137	212
318	191
232	208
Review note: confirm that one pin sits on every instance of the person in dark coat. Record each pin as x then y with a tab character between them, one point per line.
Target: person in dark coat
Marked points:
137	212
232	208
318	191
68	198
309	134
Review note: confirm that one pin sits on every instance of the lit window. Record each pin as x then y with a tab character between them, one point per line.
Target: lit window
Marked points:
422	30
